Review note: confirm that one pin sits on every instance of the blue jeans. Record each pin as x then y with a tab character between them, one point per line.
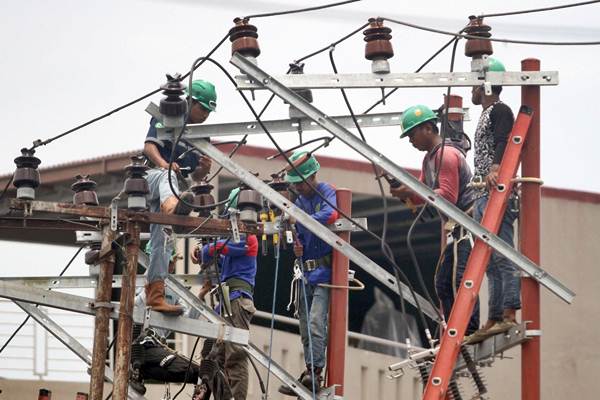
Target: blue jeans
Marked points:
449	277
318	310
161	243
504	279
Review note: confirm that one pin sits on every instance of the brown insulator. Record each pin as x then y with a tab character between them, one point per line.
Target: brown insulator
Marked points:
85	191
280	186
93	254
44	394
476	48
454	103
203	198
27	176
173	106
297	68
81	396
136	186
243	38
379	47
249	203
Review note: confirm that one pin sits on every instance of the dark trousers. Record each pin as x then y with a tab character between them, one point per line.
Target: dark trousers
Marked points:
448	278
175	371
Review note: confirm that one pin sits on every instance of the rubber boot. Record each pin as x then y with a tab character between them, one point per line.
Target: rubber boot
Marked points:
307	379
135	379
155	299
173	205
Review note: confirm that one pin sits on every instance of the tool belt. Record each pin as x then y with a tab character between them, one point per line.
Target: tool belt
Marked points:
239	284
311	265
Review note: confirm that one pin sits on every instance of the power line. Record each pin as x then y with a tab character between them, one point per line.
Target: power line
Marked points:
300	10
534	10
465	36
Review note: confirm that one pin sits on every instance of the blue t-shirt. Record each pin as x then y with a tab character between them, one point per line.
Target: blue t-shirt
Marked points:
190	158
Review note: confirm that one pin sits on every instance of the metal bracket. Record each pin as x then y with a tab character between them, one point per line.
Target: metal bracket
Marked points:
340	225
533	333
114	216
404	177
396	80
204	131
235	232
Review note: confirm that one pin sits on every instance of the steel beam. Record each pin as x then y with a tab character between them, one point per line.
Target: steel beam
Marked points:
204	131
85	282
317	228
80	304
42	318
447	208
402	80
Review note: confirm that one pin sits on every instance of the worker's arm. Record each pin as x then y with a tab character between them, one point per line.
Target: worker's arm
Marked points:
203	168
448	180
249	247
327	214
151	148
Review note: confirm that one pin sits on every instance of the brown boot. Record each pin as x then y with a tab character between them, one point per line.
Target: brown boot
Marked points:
155	299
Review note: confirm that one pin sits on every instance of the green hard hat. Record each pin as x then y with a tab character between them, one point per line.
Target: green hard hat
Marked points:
306	168
414	116
204	93
495	65
232	200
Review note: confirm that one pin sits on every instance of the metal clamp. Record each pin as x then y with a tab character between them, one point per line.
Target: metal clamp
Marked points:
114	216
94	305
235	232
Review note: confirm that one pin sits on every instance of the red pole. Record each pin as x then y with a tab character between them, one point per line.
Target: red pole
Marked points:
338	305
529	239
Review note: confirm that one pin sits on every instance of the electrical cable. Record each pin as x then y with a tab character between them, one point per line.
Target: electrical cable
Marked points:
29	316
514	41
326	139
189	367
300	10
343	38
38	143
388	94
385	248
534	10
273	304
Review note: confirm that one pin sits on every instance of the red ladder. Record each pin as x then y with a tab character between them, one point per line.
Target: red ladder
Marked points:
452	337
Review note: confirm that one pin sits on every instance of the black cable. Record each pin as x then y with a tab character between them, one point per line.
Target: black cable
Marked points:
7	186
29	316
385	248
300	10
388	94
38	143
189	367
326	139
109	395
314	53
464	36
534	10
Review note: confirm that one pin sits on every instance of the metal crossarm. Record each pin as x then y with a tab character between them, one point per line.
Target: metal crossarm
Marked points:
42	318
405	177
402	80
86	305
204	131
464	302
79	282
317	228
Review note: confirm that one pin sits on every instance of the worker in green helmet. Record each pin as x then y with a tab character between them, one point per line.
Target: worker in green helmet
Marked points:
186	162
491	136
313	256
445	170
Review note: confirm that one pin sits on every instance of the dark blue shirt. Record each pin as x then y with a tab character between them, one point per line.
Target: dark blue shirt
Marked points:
314	247
190	158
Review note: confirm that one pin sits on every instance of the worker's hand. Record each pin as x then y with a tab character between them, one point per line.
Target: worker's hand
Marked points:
491	181
204	290
165	165
202	169
194	254
401	192
298	249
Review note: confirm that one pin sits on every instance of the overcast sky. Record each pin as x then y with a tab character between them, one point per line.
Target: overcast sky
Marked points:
66	61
